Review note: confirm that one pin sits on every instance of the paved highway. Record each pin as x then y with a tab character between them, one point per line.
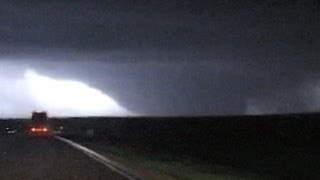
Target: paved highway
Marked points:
23	157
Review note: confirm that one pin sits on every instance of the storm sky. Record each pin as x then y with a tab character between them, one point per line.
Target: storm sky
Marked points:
159	58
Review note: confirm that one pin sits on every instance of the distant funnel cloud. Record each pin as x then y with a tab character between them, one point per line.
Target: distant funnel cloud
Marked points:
69	97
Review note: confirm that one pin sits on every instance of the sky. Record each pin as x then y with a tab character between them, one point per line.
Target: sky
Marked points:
159	58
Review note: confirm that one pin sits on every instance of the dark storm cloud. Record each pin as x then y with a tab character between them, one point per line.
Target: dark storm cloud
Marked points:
174	57
246	27
97	25
113	25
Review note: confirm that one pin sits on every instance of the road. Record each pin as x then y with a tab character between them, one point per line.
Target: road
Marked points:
23	157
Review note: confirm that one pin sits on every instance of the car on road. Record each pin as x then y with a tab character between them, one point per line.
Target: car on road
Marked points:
39	125
11	130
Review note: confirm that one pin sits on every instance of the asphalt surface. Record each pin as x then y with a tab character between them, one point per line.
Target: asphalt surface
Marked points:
23	157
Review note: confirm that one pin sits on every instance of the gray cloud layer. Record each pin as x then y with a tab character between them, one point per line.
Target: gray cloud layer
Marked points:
172	58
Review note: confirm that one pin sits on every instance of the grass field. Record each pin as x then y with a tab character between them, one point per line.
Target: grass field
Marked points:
244	147
235	163
175	167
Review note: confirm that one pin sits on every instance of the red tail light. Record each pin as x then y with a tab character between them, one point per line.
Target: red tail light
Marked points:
39	129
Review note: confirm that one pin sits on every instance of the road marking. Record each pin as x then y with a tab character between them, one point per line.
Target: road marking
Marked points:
115	166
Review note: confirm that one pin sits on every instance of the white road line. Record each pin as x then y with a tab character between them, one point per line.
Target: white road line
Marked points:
115	166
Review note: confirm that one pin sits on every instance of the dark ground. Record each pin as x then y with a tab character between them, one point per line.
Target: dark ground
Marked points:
22	157
284	146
